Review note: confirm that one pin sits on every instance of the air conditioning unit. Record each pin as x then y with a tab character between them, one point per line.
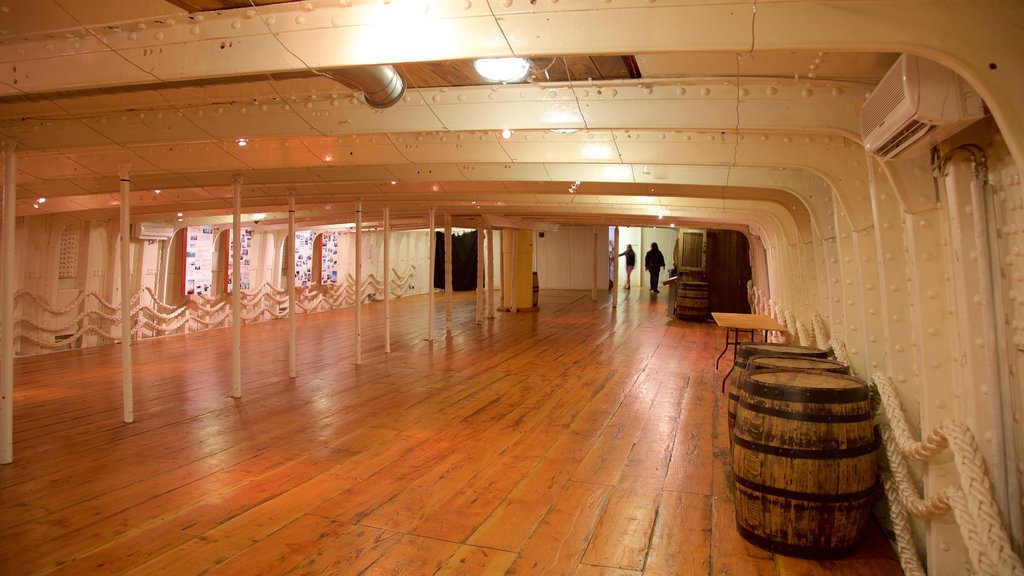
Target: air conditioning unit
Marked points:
918	103
150	231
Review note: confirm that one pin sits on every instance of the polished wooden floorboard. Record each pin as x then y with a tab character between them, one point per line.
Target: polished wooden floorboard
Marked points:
577	439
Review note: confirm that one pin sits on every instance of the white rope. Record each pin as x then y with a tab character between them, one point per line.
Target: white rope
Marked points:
977	516
151	316
821	333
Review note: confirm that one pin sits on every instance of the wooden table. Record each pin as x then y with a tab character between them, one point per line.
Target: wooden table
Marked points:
734	324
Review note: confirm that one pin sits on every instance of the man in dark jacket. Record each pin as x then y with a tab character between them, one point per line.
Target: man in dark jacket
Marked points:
654	261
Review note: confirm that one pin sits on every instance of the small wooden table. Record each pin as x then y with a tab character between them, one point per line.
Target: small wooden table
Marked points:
734	324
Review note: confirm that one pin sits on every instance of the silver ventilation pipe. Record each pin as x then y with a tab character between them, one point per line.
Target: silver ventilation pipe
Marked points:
382	86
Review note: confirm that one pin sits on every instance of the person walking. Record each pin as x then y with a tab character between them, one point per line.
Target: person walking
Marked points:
630	262
654	261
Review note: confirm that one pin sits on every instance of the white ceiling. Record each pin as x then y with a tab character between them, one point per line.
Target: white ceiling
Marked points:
86	85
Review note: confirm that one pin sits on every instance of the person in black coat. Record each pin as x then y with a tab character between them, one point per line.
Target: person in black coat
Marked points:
654	261
630	262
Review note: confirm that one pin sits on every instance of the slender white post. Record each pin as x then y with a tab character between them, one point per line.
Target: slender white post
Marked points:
448	272
615	266
430	282
123	170
387	280
514	283
593	269
479	276
7	373
289	253
490	273
236	293
359	283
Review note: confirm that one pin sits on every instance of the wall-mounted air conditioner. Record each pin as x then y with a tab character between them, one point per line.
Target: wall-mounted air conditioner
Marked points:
917	103
150	231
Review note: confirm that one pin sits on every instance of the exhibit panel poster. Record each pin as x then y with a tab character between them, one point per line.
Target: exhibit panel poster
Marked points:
304	258
246	268
329	258
198	260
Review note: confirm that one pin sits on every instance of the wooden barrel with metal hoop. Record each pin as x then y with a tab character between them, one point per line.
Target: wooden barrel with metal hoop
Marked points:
692	301
804	458
747	350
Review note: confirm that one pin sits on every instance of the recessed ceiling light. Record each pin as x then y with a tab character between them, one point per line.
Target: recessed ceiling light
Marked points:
502	69
242	142
506	133
157	191
181	214
41	200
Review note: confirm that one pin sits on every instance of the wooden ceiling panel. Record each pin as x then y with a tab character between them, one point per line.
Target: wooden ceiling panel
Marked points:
210	5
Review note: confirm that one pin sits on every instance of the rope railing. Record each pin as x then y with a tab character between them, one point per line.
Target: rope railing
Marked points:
973	505
47	327
977	516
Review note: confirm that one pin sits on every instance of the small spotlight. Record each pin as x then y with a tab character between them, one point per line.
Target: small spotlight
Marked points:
506	133
242	142
157	191
393	182
41	200
181	214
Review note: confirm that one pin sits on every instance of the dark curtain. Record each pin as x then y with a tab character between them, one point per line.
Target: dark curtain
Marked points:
463	261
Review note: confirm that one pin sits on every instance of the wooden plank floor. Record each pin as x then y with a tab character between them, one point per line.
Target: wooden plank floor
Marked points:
573	440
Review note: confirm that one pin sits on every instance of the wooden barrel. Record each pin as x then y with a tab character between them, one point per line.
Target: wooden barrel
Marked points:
804	458
747	350
692	301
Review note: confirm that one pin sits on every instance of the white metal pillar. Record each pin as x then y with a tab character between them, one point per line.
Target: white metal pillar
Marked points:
359	283
289	253
430	280
593	270
236	292
387	280
479	276
448	273
615	276
8	284
490	273
123	170
514	284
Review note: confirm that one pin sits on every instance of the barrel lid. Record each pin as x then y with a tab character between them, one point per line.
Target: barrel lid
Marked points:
797	363
805	386
762	348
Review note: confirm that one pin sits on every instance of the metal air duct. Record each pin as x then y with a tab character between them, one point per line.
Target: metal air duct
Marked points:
382	86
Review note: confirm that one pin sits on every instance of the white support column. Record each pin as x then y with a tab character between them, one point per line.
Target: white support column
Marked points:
430	280
387	280
479	276
513	284
359	283
593	269
490	273
448	273
236	292
615	264
7	305
123	170
289	253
